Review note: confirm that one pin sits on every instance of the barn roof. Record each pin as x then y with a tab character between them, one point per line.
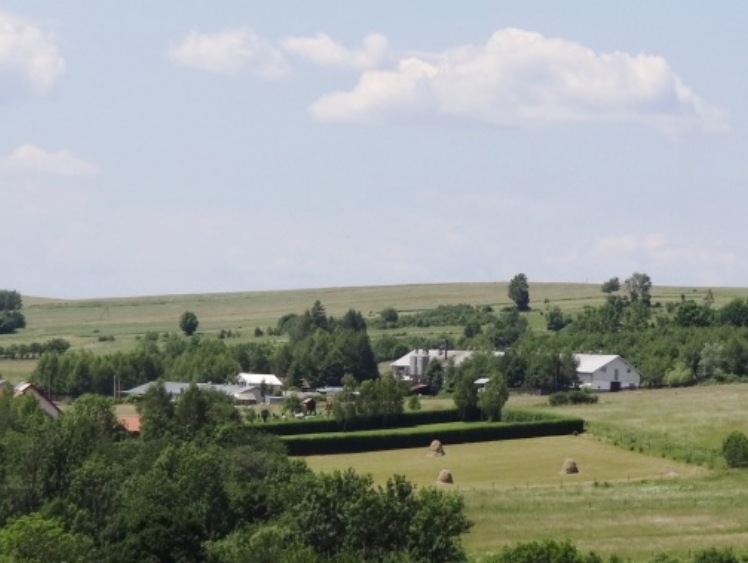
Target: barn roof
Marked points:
259	379
590	363
177	387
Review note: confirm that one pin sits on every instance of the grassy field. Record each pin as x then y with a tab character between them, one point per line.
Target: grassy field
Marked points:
89	323
622	501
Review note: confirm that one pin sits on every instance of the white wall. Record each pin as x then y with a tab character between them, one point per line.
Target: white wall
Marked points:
615	370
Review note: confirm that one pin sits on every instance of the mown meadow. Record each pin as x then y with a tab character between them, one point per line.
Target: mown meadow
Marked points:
630	497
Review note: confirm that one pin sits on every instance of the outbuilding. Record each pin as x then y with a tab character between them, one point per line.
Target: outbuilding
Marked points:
606	372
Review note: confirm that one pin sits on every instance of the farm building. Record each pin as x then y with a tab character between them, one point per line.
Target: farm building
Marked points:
257	379
45	404
239	393
415	364
598	372
606	372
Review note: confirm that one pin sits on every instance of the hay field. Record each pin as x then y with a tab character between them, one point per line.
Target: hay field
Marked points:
491	466
622	501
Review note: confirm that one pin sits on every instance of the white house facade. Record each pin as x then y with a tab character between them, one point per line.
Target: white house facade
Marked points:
606	372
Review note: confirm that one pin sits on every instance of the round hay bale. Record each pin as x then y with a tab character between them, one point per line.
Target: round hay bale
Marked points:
569	467
436	448
445	477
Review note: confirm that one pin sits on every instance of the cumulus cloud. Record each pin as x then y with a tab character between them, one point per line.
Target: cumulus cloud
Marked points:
28	55
228	52
321	49
523	78
28	159
710	260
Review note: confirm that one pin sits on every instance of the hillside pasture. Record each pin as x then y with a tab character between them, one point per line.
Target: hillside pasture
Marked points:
83	321
510	463
623	500
105	325
515	492
688	423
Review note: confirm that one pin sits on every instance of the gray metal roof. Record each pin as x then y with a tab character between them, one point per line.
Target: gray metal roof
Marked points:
175	388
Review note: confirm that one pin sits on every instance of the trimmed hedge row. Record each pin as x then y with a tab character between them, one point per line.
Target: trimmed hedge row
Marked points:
393	439
404	420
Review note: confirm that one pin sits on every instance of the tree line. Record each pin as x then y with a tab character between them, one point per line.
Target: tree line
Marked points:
198	485
319	352
680	343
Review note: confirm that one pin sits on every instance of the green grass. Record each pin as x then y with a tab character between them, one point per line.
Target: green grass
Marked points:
16	370
622	501
83	321
492	466
676	422
514	492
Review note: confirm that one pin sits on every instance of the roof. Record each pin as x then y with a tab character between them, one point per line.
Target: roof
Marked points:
590	363
130	423
259	379
482	380
456	356
42	400
176	388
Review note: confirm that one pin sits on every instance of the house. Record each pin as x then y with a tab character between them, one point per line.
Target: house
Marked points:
606	372
45	404
415	364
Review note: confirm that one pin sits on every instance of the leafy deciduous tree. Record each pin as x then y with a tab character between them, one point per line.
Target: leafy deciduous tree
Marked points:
519	292
188	322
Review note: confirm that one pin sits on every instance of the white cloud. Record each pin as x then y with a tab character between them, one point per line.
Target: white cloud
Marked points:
523	78
653	252
323	50
29	53
228	52
28	159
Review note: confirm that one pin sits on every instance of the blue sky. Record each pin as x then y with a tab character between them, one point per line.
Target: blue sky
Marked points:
190	147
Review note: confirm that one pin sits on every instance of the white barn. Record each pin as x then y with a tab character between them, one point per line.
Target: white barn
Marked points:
257	379
606	372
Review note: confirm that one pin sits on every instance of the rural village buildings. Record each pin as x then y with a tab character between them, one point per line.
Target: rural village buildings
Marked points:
598	372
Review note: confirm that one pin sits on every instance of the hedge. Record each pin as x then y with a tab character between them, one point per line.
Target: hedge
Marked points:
456	433
319	425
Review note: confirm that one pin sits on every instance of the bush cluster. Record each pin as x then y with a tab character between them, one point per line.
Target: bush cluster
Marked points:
574	397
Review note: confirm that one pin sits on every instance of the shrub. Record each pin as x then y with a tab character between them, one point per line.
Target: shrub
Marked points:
545	551
714	555
575	397
735	449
